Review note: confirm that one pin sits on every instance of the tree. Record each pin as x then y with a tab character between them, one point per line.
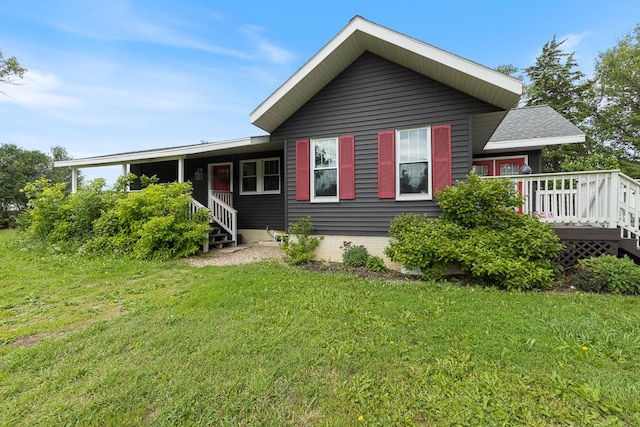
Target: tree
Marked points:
617	120
509	70
555	81
10	68
19	167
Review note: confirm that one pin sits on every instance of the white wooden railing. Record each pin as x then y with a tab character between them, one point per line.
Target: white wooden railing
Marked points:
602	198
225	216
225	196
195	206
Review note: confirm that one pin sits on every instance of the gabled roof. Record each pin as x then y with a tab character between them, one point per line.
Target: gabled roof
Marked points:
234	146
533	128
361	35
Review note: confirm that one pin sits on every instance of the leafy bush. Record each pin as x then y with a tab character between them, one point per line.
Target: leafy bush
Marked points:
300	250
478	202
480	230
354	255
153	223
376	264
606	273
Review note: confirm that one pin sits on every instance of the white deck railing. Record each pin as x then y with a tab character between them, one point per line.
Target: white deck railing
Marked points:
602	198
224	196
195	206
225	216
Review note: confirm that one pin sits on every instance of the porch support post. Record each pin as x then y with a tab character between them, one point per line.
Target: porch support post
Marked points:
125	171
181	169
74	180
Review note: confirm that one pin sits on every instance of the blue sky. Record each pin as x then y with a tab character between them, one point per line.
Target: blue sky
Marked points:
122	75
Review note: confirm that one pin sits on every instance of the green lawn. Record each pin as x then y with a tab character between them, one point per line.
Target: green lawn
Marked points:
114	342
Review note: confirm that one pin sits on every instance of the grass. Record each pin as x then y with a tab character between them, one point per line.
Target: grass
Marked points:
114	342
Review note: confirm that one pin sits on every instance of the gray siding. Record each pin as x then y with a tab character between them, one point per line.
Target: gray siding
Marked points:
372	95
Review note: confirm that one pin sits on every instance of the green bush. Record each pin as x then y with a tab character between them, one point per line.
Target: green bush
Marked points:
606	273
151	224
376	264
300	249
479	230
354	255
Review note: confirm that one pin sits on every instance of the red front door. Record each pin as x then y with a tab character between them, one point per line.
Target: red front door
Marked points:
221	177
506	167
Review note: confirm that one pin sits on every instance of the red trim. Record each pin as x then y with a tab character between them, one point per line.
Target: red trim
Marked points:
347	174
441	156
387	164
302	170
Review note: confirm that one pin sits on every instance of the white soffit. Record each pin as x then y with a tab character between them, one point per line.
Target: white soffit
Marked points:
361	35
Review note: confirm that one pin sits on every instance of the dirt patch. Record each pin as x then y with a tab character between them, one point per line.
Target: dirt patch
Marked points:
31	340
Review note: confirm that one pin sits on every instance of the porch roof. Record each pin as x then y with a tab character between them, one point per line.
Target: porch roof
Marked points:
529	128
361	35
233	146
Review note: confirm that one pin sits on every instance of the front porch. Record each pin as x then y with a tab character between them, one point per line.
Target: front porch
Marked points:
590	207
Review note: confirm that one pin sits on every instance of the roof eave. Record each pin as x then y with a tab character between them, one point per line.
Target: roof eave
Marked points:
534	143
162	154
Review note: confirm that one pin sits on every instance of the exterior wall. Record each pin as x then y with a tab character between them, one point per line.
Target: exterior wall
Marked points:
373	95
254	211
329	248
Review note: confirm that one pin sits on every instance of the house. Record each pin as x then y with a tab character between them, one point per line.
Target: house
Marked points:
368	128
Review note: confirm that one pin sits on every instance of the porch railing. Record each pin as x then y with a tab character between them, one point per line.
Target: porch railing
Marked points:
603	198
224	196
195	206
225	216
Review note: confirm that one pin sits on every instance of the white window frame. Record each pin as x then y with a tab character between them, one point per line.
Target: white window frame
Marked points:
418	196
259	177
312	169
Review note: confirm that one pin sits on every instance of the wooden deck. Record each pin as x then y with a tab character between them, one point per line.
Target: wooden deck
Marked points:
593	212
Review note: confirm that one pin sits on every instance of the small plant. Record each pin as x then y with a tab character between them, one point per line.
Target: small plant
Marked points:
606	273
354	255
300	250
376	264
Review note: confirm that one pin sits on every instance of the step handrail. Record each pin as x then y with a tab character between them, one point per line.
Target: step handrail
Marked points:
225	216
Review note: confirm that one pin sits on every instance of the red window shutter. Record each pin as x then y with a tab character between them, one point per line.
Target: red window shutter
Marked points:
441	156
387	164
347	167
302	170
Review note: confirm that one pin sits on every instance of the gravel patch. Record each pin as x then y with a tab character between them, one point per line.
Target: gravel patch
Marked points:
241	254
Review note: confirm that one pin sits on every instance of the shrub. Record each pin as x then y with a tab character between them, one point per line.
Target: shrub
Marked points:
153	223
606	273
376	264
300	249
480	230
354	255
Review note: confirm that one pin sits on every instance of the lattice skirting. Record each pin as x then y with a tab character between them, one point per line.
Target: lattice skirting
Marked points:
576	250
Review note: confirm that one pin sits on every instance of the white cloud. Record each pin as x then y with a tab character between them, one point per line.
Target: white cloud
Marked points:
572	41
267	49
39	90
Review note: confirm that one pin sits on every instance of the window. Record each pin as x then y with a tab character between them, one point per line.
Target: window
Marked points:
324	176
413	168
260	176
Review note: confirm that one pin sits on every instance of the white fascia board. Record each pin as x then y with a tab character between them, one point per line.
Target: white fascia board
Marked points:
162	154
360	24
533	143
